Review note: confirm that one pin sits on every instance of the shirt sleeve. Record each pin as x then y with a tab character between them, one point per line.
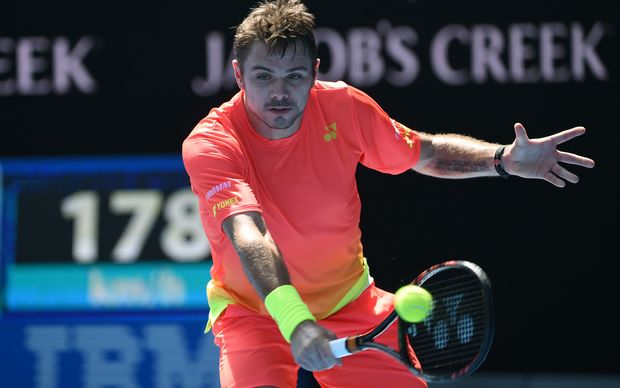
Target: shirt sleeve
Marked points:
216	168
388	146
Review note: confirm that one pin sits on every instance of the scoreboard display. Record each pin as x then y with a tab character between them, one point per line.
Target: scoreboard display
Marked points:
86	234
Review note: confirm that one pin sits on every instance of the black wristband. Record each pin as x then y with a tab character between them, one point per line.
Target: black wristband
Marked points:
497	162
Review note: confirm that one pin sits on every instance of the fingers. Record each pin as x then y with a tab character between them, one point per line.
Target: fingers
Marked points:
317	361
563	173
557	138
558	176
553	179
566	135
540	158
578	160
324	357
310	346
319	358
328	356
520	134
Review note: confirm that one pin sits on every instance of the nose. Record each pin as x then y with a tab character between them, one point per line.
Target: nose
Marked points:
279	92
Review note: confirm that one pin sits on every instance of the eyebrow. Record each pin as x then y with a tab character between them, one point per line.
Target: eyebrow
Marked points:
297	68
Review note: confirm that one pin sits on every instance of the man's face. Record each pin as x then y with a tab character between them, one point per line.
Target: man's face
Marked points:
276	88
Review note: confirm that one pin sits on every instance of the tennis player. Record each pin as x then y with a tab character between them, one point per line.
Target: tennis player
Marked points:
274	172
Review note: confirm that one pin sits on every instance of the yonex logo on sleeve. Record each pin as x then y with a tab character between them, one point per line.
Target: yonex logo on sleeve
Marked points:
396	130
217	188
224	204
402	132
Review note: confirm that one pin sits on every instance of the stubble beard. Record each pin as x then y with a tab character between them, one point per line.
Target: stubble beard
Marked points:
284	122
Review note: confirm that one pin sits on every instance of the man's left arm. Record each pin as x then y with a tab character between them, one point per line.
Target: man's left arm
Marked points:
455	156
458	156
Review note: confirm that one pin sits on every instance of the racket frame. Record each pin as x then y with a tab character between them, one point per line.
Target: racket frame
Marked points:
349	345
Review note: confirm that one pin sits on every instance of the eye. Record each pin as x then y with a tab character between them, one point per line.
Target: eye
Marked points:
295	76
263	77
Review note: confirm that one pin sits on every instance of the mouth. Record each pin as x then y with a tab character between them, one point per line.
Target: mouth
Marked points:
280	110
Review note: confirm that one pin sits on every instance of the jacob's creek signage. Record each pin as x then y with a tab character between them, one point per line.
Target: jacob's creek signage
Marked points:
40	65
458	54
549	52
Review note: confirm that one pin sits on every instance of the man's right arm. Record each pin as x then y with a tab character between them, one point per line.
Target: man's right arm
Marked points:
260	257
265	268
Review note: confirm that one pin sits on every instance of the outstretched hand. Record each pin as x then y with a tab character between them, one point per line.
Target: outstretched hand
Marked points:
540	158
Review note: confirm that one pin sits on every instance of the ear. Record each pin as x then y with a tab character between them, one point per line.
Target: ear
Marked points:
238	75
316	69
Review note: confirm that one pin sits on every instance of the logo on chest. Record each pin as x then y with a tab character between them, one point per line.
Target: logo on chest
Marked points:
331	132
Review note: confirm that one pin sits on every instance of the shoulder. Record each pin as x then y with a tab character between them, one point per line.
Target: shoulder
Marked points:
214	135
330	91
333	89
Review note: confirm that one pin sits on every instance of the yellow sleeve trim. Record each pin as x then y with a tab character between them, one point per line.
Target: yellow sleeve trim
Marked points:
217	304
362	283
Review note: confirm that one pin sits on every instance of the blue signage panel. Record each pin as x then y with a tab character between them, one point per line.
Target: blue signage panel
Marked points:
104	353
105	233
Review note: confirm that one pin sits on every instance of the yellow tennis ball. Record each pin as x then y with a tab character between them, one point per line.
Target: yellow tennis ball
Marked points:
413	303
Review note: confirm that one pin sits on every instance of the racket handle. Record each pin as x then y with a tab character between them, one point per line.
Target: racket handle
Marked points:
339	347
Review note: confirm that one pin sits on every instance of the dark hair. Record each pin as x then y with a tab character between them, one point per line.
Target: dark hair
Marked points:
279	24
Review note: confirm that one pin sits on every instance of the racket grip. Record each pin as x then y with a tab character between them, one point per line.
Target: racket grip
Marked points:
339	347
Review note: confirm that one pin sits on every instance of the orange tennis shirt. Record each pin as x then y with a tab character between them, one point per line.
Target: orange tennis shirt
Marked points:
304	186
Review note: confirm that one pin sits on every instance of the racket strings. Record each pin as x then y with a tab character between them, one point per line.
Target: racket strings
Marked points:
454	363
476	307
429	344
451	289
453	279
469	303
425	347
433	361
434	355
452	335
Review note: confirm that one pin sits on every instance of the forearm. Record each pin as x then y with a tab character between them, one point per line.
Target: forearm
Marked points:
264	266
266	271
455	156
260	258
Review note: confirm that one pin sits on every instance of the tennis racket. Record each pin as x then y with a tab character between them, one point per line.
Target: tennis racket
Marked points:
454	338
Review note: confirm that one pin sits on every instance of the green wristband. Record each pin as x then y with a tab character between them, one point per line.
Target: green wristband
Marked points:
287	309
